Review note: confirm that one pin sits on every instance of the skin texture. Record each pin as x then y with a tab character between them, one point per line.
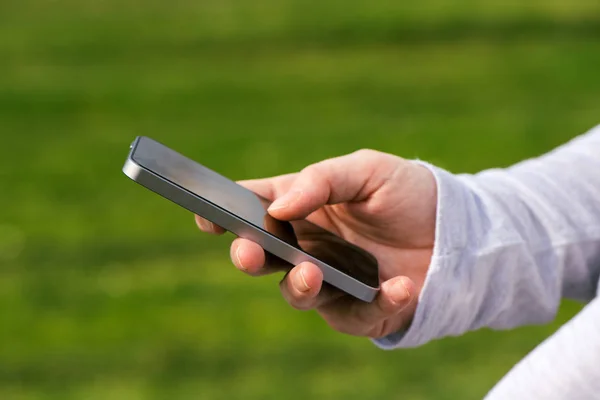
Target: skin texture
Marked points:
377	201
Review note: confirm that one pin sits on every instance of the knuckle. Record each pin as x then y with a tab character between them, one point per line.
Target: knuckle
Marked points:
300	302
309	169
315	172
378	331
369	153
386	307
297	300
385	159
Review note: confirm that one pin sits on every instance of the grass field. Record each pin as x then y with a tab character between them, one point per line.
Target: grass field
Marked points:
108	292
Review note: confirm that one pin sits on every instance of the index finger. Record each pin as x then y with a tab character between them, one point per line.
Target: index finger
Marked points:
350	178
270	188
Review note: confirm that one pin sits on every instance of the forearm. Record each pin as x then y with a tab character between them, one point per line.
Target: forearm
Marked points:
510	243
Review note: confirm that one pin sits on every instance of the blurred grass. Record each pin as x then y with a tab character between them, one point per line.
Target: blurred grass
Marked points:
109	292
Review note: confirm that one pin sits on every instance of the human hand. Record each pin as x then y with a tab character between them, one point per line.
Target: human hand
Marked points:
379	202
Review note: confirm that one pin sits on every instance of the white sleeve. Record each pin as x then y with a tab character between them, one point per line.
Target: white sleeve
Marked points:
565	366
510	243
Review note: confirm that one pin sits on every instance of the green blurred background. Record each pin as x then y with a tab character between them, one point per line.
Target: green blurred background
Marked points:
109	292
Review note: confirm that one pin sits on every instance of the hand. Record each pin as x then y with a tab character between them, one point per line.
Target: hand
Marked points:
379	202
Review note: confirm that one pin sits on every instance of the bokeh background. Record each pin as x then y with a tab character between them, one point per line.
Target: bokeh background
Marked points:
109	292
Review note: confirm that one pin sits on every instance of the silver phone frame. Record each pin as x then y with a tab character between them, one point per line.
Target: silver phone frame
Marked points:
240	227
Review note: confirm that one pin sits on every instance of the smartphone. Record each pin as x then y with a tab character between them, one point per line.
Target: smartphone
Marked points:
242	212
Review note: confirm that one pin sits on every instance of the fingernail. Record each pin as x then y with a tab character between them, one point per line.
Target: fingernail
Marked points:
399	292
239	260
285	200
301	283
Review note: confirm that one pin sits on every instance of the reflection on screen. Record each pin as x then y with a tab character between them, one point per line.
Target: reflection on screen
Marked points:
240	201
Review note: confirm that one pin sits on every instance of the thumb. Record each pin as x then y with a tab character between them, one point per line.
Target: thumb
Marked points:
350	178
387	313
395	294
390	311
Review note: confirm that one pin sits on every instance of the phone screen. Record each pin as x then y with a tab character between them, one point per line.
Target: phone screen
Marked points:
247	205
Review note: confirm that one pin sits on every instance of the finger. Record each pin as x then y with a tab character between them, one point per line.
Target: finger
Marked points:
383	314
248	256
377	319
269	188
303	287
208	227
350	178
